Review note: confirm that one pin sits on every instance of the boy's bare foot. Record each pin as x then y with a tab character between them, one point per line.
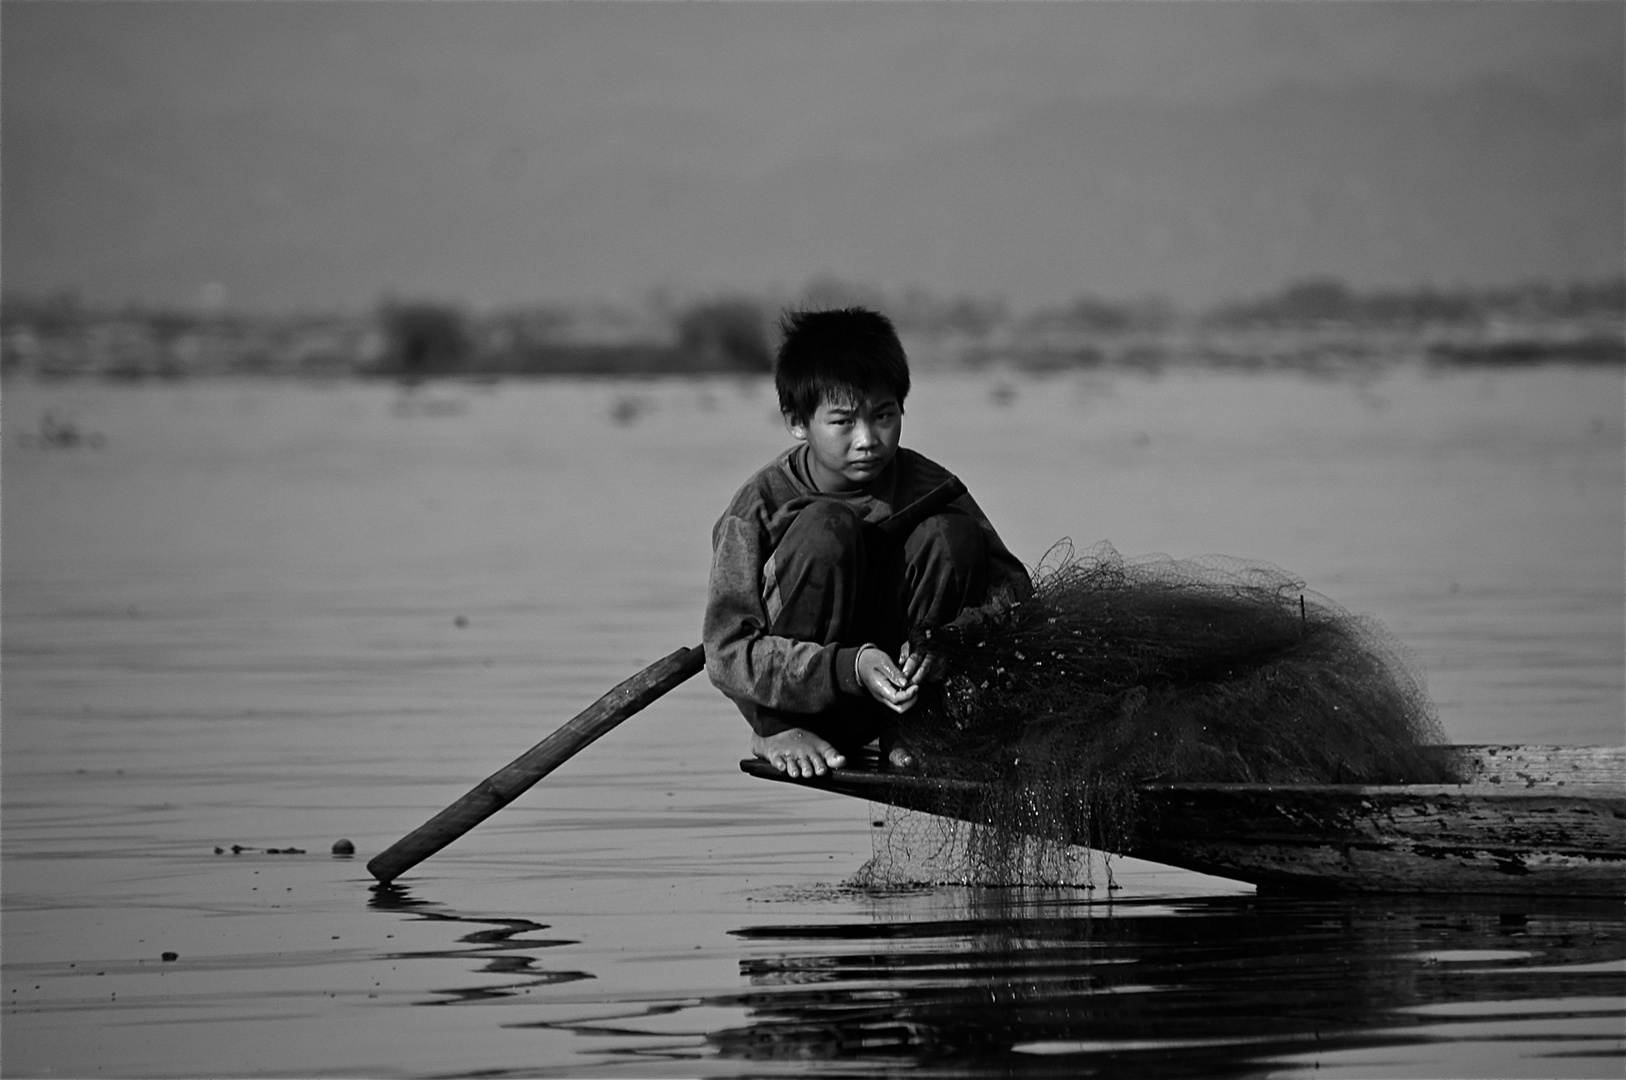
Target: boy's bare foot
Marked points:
797	752
897	754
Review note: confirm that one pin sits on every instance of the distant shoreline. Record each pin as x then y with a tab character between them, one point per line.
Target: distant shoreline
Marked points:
1315	326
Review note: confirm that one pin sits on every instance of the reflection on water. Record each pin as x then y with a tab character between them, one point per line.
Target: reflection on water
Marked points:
1208	987
505	947
1001	982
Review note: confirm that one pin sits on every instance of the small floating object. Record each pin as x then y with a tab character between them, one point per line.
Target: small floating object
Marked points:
284	851
343	847
58	432
171	956
626	410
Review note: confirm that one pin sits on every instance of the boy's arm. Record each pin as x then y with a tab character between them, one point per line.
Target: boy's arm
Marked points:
743	659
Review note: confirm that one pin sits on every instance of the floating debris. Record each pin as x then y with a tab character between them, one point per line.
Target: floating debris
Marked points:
627	409
238	849
410	405
58	432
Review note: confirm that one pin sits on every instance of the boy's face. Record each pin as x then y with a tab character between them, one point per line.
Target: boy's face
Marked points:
851	440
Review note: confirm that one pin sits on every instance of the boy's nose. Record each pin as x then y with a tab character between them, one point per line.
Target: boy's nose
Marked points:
863	434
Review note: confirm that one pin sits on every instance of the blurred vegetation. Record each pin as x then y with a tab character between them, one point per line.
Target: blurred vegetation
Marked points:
1314	324
1321	300
422	340
726	335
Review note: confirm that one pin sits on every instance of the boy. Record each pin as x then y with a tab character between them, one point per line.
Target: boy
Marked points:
808	604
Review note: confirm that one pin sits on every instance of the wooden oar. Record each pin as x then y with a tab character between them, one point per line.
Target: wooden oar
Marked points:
508	783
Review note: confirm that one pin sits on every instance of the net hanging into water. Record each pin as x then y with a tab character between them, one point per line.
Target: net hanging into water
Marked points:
1118	673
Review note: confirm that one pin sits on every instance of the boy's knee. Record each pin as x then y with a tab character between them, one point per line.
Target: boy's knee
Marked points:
956	539
825	531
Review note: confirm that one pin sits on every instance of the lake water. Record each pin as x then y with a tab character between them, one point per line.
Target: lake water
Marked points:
274	616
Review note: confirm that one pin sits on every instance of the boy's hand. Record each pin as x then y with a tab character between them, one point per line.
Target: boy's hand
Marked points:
885	683
920	667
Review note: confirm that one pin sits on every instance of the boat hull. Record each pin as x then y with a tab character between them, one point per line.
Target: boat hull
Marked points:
1527	820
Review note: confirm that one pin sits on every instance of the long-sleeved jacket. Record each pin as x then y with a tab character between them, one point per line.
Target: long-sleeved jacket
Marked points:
743	659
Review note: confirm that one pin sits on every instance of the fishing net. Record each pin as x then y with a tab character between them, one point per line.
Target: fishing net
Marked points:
1118	673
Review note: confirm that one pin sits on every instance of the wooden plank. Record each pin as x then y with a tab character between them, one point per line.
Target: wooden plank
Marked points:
1532	766
1314	867
508	783
1462	839
1445	816
1528	819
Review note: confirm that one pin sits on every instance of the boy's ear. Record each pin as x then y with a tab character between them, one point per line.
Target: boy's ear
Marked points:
797	429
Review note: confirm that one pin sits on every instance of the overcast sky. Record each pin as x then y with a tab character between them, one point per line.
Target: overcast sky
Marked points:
324	153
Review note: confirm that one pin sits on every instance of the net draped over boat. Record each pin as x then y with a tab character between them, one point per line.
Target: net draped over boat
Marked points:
1117	673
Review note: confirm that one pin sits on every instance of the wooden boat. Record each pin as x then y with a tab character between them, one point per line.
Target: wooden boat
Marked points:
1532	820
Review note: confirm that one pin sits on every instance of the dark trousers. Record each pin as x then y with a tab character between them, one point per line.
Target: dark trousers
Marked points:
837	580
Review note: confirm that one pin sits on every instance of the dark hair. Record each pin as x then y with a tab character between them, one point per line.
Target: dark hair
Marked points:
834	355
